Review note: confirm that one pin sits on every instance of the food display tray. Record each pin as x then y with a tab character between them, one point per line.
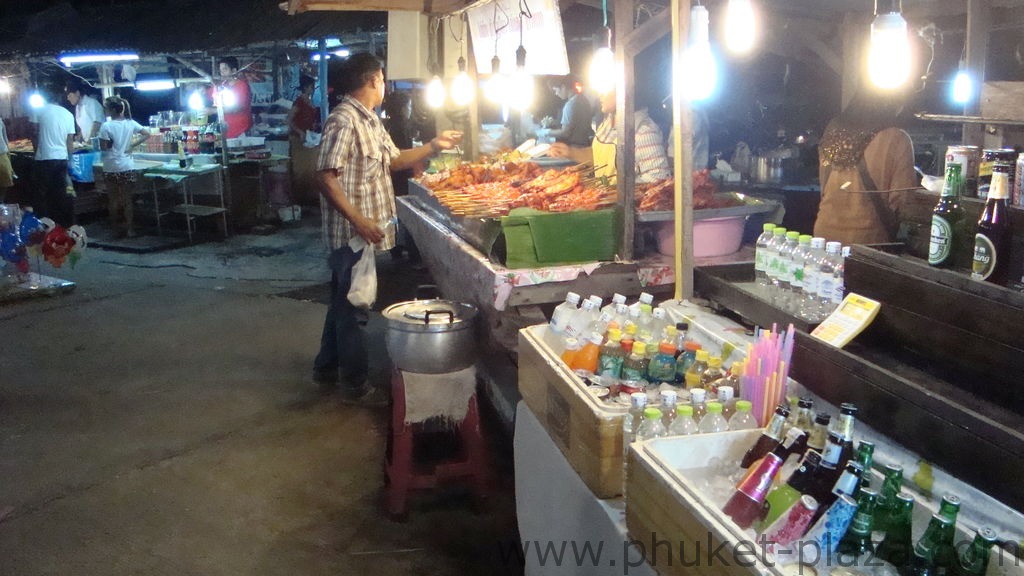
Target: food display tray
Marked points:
751	205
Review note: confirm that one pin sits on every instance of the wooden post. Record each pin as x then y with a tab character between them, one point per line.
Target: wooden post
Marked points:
979	19
625	102
471	138
321	72
682	123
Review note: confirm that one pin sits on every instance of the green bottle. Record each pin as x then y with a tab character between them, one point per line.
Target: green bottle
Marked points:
866	455
946	555
950	507
783	497
923	562
857	540
974	560
896	548
892	484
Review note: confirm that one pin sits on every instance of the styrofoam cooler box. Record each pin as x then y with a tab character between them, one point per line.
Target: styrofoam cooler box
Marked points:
670	509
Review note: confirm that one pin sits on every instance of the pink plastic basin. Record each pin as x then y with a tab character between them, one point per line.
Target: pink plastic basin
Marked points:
713	237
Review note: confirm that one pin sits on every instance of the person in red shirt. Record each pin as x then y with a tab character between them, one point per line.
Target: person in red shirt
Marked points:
235	98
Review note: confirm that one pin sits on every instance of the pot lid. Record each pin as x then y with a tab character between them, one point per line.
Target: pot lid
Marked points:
430	312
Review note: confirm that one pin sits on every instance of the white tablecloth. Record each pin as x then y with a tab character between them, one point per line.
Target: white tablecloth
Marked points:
560	518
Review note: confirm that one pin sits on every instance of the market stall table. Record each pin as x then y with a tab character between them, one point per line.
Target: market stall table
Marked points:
188	180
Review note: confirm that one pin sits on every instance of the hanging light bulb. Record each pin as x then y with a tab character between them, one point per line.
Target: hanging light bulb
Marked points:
521	89
462	87
5	86
740	26
602	70
698	76
36	100
195	101
435	92
889	53
496	87
963	86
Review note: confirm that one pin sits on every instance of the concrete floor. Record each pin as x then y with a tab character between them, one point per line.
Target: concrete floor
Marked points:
160	419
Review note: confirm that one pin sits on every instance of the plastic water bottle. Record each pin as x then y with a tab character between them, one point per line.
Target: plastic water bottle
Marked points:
597	300
668	407
827	280
839	290
777	242
808	308
796	279
658	324
581	320
743	419
684	424
630	424
713	421
616	300
651	427
782	282
761	254
563	312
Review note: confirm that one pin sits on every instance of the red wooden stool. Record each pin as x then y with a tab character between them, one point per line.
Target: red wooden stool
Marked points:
402	474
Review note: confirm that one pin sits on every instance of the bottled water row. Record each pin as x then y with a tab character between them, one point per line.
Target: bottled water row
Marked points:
800	274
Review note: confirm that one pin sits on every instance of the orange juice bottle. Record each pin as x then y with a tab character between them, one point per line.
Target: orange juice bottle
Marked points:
586	359
572	348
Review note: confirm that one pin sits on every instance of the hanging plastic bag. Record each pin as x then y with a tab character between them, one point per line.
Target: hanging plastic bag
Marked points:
363	290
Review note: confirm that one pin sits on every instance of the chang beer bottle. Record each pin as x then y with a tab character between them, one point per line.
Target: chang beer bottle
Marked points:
847	417
923	559
946	217
974	560
992	240
897	546
866	457
857	540
946	556
892	485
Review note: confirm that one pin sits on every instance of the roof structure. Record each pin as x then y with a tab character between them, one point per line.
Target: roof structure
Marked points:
172	26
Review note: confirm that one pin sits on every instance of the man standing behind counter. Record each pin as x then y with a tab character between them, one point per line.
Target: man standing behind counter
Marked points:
357	198
53	141
235	98
89	113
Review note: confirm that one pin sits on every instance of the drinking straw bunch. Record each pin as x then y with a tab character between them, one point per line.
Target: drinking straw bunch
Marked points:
766	371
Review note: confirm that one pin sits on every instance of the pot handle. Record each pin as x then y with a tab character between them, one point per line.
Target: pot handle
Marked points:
431	289
451	315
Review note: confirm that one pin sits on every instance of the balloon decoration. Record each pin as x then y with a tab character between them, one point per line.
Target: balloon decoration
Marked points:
41	237
14	251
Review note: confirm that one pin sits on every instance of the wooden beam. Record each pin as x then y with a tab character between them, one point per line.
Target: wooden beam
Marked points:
682	123
648	33
625	102
979	19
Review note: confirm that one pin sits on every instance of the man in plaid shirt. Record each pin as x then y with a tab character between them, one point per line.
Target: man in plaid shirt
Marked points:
357	199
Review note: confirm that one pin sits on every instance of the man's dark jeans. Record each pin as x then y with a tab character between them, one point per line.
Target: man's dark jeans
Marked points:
342	345
50	179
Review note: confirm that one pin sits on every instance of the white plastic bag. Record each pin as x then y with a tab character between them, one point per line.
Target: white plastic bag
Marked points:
363	290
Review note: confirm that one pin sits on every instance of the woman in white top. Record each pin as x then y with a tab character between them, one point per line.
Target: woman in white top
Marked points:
118	136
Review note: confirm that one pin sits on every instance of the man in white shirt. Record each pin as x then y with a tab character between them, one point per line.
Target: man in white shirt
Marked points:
6	172
88	113
53	141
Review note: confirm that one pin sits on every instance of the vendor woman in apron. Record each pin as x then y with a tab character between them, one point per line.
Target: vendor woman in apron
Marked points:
651	160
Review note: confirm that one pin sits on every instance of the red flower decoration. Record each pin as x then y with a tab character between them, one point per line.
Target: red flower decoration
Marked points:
56	246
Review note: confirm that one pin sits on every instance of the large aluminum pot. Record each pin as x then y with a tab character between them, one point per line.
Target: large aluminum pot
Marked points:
431	336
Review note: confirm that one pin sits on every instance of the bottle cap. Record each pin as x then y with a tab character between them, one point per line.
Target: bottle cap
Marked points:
715	362
792	235
835	438
646	298
572	343
725	393
588	305
848	409
618	299
667	348
782	410
691	346
805	403
698	395
846	251
805	238
639	348
714	407
779	231
596	338
893	469
614	335
634	311
817	243
668	396
573	298
703	355
682	326
833	247
638	399
743	405
684	410
652	413
597	300
658	313
822	418
767	226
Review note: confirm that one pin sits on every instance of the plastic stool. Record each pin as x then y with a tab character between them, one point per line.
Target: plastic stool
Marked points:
401	472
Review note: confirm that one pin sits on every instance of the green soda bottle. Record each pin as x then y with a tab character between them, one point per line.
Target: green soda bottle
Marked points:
897	547
866	456
923	562
892	484
974	560
857	540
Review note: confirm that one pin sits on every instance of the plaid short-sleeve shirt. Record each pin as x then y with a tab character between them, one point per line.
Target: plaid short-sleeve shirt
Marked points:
650	157
356	144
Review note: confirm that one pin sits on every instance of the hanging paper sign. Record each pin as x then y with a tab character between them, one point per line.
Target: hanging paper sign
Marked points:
541	36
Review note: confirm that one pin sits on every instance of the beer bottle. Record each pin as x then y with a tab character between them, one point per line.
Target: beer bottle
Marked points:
857	540
866	456
897	546
974	560
950	507
819	434
847	412
747	502
992	240
946	217
845	483
946	556
922	561
887	497
769	439
781	498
